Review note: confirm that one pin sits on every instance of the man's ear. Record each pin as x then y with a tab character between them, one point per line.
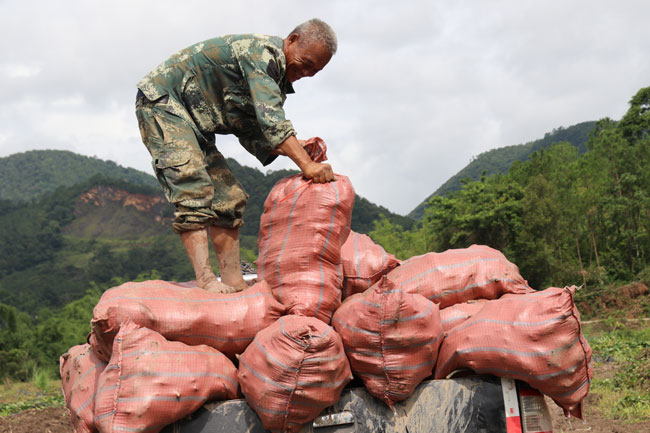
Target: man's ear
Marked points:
293	38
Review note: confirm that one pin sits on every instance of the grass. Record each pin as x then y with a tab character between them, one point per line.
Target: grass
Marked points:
625	394
41	379
41	392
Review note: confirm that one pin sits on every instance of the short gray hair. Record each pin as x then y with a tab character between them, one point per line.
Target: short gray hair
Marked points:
316	30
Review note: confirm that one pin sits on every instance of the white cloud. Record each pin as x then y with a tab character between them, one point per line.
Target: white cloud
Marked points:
15	70
71	101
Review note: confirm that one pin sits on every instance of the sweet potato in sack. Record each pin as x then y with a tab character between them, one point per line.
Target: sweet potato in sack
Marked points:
364	262
151	382
293	370
457	314
302	230
391	339
80	369
534	337
460	275
227	322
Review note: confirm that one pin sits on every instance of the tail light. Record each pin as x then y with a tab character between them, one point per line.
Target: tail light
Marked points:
535	416
526	410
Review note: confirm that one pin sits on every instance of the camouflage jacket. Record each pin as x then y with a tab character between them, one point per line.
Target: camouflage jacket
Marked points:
234	84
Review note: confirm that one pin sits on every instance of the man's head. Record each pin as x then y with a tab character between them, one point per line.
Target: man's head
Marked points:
308	48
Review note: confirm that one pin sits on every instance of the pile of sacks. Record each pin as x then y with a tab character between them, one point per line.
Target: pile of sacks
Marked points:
159	350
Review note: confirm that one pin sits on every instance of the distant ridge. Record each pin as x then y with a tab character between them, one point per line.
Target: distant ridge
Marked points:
499	160
28	175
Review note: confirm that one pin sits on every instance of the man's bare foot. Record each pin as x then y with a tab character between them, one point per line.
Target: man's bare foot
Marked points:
226	246
216	286
241	286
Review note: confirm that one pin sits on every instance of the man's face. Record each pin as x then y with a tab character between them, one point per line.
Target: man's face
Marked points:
303	59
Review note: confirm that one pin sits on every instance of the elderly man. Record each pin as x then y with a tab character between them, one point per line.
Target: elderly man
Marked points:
235	84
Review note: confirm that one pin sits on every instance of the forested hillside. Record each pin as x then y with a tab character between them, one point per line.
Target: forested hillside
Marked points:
500	160
28	175
563	217
51	251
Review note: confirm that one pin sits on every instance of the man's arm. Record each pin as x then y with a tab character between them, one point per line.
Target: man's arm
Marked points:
253	58
267	101
318	171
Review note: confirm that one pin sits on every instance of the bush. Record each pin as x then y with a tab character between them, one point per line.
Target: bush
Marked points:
644	276
17	364
41	378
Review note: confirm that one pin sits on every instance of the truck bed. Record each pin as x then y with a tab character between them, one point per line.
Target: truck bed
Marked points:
468	404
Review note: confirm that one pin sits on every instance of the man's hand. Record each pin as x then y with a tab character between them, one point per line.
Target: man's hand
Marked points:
318	171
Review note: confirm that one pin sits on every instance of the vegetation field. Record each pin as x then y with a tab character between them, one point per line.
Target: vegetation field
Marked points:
622	350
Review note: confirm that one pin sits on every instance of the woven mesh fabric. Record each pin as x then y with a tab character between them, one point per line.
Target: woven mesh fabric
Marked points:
151	382
185	313
460	275
391	339
364	262
300	243
293	370
80	369
534	337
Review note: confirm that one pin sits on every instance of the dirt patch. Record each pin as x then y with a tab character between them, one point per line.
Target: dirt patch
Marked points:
48	420
594	422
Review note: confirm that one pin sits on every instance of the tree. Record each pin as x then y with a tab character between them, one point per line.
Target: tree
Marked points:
635	124
402	243
484	212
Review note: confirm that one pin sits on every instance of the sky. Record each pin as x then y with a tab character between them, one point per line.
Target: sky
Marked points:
415	91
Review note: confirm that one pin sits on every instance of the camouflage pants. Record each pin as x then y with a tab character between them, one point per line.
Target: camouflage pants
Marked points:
193	174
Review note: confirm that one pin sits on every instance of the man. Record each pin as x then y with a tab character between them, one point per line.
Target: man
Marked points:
235	84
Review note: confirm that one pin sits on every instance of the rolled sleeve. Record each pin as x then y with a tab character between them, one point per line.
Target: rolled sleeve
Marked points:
257	145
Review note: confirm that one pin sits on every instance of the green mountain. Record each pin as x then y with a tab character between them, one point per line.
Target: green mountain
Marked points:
28	175
499	160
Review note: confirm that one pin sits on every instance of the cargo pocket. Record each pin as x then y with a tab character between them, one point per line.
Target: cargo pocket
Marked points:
171	160
183	178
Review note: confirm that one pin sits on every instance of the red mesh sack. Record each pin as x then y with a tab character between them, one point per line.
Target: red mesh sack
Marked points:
534	337
457	314
180	312
456	276
364	262
293	370
316	149
80	369
391	339
151	382
300	243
